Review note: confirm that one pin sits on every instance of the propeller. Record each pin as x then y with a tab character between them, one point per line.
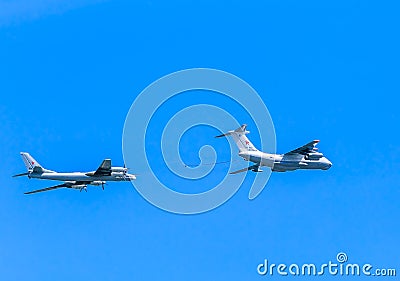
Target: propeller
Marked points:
127	169
125	172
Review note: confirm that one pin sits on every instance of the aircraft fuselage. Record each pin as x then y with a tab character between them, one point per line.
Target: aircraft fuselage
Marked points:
78	176
284	162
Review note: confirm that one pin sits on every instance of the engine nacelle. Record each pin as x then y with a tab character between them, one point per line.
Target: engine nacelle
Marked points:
97	183
118	174
314	156
119	169
257	169
79	186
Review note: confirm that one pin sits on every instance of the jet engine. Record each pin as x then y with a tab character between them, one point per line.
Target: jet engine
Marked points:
313	156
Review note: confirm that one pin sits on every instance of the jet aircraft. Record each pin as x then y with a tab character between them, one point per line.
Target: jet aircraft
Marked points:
75	180
305	157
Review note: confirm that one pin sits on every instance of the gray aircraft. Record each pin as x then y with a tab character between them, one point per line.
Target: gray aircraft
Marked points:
305	157
75	180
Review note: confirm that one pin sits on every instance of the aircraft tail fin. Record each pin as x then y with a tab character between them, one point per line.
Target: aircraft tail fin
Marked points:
239	136
30	163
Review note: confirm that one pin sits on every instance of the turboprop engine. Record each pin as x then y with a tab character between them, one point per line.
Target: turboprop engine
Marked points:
119	169
97	183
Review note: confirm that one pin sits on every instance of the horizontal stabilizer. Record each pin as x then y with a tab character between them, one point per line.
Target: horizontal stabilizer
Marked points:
254	168
223	135
240	130
20	175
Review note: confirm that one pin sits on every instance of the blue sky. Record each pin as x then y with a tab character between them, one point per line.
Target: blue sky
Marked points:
69	73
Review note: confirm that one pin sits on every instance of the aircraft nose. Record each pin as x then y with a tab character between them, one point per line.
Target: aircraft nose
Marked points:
328	164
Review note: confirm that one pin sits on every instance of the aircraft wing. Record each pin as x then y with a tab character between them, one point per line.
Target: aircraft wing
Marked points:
68	184
48	188
104	169
307	148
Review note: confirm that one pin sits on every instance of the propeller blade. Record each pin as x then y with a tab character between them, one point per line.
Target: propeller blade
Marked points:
127	169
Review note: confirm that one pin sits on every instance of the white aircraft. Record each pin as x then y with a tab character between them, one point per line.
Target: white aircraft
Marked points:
76	180
305	157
